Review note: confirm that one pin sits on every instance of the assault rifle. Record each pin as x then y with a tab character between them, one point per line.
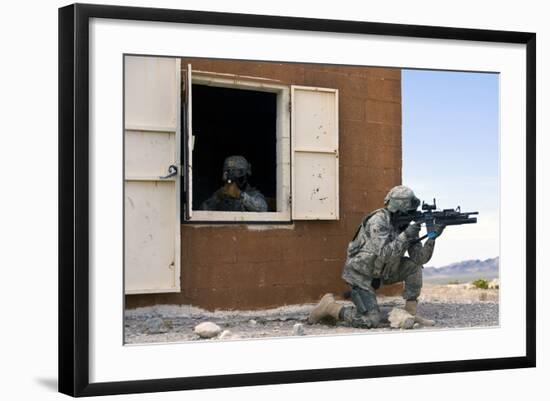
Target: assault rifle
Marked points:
432	217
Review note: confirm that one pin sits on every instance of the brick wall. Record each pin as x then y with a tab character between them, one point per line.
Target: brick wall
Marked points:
234	267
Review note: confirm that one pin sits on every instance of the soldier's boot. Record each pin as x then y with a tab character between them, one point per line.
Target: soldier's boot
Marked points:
410	306
327	307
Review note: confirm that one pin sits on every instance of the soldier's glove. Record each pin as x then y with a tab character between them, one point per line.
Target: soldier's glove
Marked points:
411	232
232	190
437	231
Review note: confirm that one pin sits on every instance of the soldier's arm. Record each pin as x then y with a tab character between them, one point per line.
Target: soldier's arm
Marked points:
209	204
212	202
254	201
385	248
421	254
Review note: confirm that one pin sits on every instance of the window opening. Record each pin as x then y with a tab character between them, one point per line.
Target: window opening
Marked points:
227	122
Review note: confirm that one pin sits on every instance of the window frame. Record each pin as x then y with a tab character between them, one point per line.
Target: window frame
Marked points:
283	215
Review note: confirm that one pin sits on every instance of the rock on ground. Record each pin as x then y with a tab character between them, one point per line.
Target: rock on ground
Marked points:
207	330
400	319
298	329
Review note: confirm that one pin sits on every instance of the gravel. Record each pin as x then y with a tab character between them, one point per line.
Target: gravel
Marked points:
180	321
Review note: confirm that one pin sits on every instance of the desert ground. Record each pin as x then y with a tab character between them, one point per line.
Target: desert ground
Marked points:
451	306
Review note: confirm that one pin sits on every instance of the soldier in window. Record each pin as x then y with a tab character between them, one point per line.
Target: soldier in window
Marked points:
236	195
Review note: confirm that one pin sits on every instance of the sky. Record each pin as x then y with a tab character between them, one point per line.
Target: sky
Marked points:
450	152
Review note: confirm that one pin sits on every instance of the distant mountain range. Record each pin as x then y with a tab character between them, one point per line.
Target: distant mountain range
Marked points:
463	272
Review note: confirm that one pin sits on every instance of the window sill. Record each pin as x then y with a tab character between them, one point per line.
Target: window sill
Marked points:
210	217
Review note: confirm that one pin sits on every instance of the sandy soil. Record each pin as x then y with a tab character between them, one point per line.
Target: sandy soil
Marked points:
451	306
456	293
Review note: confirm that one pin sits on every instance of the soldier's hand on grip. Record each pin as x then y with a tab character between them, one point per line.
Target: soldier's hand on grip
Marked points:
412	231
232	190
438	229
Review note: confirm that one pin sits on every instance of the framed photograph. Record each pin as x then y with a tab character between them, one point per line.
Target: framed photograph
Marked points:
253	199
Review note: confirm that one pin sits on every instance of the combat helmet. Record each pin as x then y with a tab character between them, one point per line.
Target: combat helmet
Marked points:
401	199
236	166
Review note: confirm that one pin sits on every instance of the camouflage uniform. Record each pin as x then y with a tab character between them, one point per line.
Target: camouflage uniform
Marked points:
376	256
238	169
251	200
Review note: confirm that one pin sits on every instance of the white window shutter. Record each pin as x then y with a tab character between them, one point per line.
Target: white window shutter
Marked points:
314	130
151	203
151	98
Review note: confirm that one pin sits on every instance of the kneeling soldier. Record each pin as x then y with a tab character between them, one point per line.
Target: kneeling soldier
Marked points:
375	257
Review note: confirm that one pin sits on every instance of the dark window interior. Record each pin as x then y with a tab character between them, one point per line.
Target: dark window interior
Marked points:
229	122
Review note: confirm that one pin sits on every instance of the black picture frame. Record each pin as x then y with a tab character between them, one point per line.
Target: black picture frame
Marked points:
74	198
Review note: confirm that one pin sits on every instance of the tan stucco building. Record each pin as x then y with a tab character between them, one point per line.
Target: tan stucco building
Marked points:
325	147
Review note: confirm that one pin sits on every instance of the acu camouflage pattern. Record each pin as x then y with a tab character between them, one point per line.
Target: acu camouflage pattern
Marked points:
377	252
237	163
251	200
365	312
401	199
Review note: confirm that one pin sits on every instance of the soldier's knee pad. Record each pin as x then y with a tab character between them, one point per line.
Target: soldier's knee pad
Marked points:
364	300
411	266
415	269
